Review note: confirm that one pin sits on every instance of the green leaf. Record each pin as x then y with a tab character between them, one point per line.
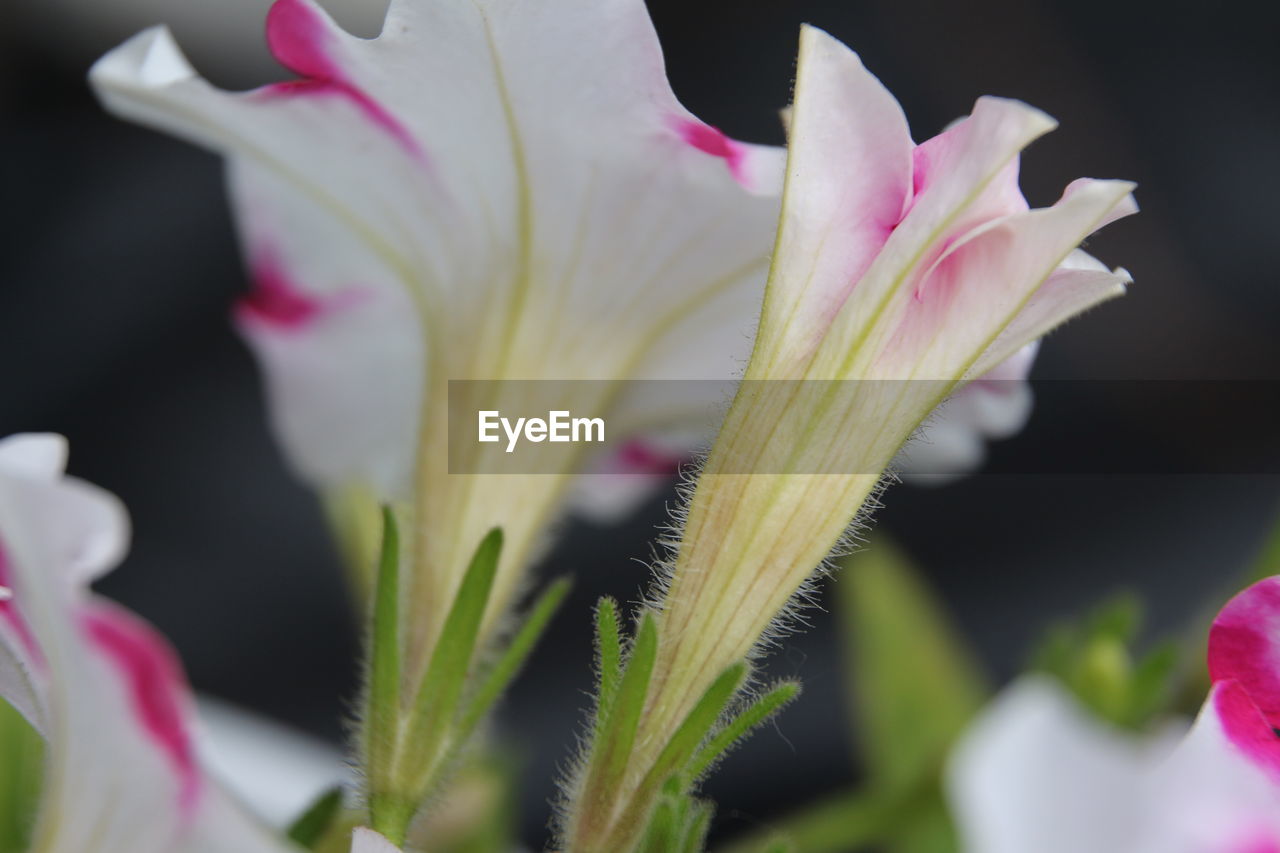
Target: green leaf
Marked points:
662	835
608	656
21	772
679	751
926	828
697	823
618	732
313	824
384	665
675	757
441	689
741	725
915	684
515	654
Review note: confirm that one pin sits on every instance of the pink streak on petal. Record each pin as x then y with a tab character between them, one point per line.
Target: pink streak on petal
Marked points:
1246	727
636	457
1244	646
156	685
711	140
276	301
300	40
12	616
1261	845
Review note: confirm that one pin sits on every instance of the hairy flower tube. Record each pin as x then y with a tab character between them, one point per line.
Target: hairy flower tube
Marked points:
900	271
122	771
1037	772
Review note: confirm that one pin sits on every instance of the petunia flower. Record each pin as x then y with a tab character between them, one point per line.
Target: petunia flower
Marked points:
900	271
103	687
1037	772
487	191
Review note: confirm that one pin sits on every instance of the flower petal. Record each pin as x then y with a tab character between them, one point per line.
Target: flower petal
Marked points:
471	169
848	186
979	286
1078	284
952	442
121	773
338	337
1210	796
1244	645
364	840
1038	772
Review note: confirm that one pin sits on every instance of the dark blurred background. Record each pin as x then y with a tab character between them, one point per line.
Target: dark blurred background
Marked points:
118	266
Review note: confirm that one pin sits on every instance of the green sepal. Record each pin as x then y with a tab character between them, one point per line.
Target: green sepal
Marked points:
618	730
1095	659
382	713
741	725
608	657
680	750
313	825
512	659
697	824
442	688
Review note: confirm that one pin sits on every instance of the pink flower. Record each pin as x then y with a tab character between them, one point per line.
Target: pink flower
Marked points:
99	683
1037	772
900	272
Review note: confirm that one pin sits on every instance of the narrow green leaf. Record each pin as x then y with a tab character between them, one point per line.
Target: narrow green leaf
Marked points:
662	834
757	712
697	823
618	734
441	690
914	683
312	825
515	654
608	656
384	669
676	755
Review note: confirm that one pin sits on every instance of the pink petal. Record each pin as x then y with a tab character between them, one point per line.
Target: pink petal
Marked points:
848	188
1247	726
302	37
156	685
1244	649
1074	287
979	286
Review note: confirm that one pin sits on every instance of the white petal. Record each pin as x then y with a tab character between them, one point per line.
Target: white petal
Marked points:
1078	284
1036	772
276	771
339	339
120	773
849	182
545	228
41	456
1208	797
364	840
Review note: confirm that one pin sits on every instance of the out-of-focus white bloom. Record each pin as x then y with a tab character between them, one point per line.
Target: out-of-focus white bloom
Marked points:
275	771
101	685
1038	772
